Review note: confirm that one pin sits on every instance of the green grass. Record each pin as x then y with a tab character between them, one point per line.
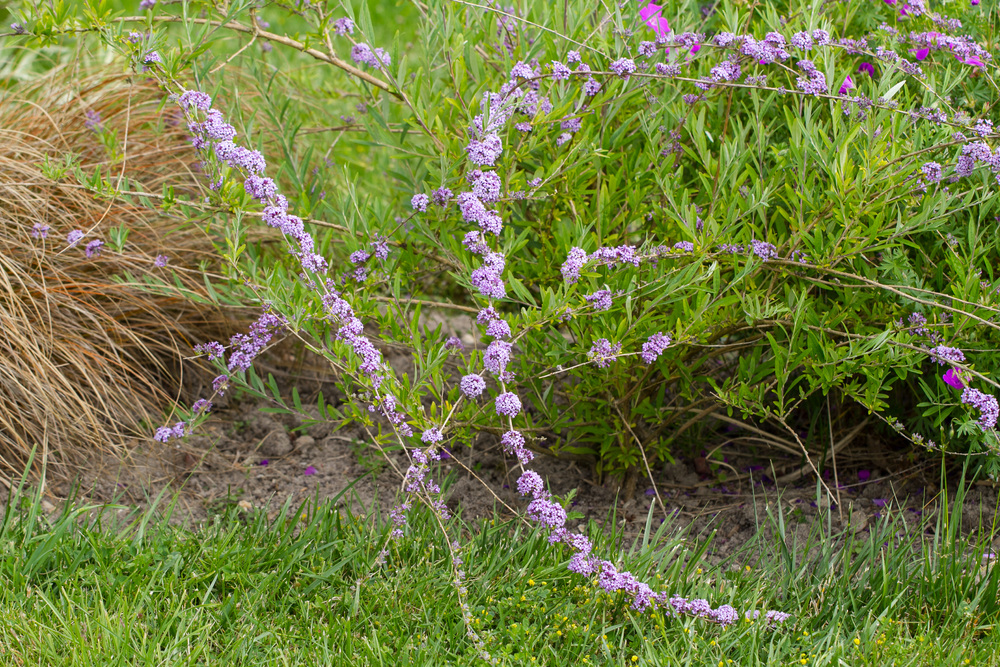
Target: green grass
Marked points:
307	588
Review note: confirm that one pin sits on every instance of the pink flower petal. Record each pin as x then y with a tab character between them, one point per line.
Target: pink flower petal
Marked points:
867	67
309	471
650	15
921	54
952	378
847	85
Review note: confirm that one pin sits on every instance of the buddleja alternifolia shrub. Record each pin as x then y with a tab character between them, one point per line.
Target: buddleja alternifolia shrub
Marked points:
656	213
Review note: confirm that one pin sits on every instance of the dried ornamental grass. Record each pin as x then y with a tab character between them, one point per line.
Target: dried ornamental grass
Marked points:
87	357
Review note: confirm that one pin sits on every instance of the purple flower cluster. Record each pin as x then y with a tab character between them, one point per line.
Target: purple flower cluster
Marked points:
498	328
508	404
623	67
473	385
93	122
362	54
727	70
987	405
669	71
599	300
496	358
93	248
931	171
74	237
942	354
550	514
772	618
964	48
475	242
249	345
473	210
654	347
487	278
814	81
343	26
513	445
559	71
485	152
419	202
763	249
602	352
802	41
577	259
166	433
486	186
432	436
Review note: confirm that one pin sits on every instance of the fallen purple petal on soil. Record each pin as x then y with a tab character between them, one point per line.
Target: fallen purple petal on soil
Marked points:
309	471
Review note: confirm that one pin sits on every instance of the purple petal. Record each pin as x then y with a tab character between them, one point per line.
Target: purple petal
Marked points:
921	54
263	462
863	475
951	378
309	471
880	502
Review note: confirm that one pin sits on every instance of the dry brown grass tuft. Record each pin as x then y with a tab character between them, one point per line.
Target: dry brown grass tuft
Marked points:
86	358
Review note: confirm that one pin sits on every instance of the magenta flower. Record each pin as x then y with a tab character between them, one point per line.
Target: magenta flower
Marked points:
920	54
864	475
847	85
867	67
951	377
890	2
651	16
263	462
975	3
972	60
309	471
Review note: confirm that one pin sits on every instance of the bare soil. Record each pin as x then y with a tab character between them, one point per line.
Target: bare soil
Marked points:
260	461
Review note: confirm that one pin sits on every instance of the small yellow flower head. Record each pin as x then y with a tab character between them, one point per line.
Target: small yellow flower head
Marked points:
857	642
635	658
